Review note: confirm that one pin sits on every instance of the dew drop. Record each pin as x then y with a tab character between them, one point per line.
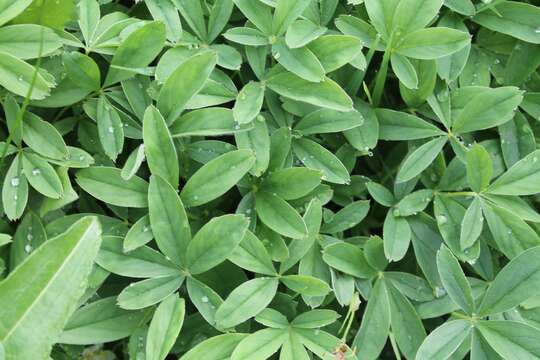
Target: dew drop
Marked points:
195	197
110	130
441	219
439	292
28	248
15	197
243	96
537	30
36	172
237	127
20	78
277	55
204	299
535	159
81	158
434	177
146	228
29	237
15	181
370	153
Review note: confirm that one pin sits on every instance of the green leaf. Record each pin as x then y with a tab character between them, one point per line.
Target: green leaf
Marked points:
42	176
216	348
31	294
82	70
285	13
219	16
521	179
349	259
407	327
279	216
246	301
418	160
256	139
373	331
328	121
302	32
213	121
397	237
249	102
251	255
513	283
165	327
396	125
472	224
479	168
404	70
23	41
204	298
15	190
306	285
142	262
327	93
454	280
511	339
291	183
98	322
164	10
12	8
148	292
192	12
159	147
214	242
444	341
513	18
192	74
347	217
488	109
316	157
257	13
43	138
217	177
136	51
414	203
334	51
415	14
106	184
301	62
16	76
432	43
110	128
168	218
315	319
380	194
260	345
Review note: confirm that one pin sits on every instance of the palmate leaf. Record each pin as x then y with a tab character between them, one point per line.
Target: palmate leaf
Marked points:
271	179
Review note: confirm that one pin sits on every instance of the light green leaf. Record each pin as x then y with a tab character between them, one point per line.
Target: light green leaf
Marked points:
159	147
513	284
215	241
148	292
279	216
432	43
106	184
454	280
246	301
418	160
170	226
165	327
444	341
32	306
136	51
216	348
217	177
349	259
523	178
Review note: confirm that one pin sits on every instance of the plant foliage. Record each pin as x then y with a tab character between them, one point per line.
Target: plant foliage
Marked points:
269	179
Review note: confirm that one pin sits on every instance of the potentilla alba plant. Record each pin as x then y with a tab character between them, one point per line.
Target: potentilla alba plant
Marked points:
269	179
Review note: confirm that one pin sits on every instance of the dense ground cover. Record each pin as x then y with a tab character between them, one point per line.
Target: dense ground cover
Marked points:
283	179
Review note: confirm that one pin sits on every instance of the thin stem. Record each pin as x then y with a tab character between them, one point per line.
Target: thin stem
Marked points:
358	77
383	71
26	101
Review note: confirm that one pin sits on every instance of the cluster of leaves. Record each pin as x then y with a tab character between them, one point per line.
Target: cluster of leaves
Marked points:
256	179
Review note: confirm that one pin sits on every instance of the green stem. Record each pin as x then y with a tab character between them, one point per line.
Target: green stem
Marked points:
26	101
457	193
381	76
358	77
